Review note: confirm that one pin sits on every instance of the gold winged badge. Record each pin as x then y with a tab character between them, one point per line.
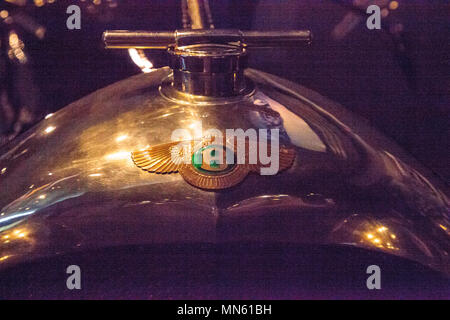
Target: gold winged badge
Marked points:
197	162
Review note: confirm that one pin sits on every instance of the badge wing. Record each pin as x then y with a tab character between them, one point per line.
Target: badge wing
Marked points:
163	158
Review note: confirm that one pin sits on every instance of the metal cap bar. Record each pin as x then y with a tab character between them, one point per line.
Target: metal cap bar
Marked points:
121	39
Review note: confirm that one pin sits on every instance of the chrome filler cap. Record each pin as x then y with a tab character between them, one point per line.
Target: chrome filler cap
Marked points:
207	62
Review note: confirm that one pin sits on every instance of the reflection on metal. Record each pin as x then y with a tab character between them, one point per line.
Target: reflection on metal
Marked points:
196	14
15	51
4	257
49	129
299	132
140	59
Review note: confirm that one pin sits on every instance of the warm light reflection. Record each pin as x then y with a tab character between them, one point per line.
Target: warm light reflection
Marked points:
49	129
4	257
3	171
15	48
195	125
444	228
118	155
95	175
49	115
378	236
121	138
393	5
139	58
18	234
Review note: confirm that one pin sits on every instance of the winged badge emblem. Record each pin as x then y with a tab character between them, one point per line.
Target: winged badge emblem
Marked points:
206	163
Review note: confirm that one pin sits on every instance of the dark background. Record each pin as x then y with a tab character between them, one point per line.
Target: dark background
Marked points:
398	77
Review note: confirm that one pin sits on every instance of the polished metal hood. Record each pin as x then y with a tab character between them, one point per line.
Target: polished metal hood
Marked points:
70	184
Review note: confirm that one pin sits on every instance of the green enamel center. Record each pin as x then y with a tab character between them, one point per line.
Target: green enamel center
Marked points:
201	163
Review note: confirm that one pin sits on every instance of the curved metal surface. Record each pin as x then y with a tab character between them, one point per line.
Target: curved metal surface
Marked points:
69	184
